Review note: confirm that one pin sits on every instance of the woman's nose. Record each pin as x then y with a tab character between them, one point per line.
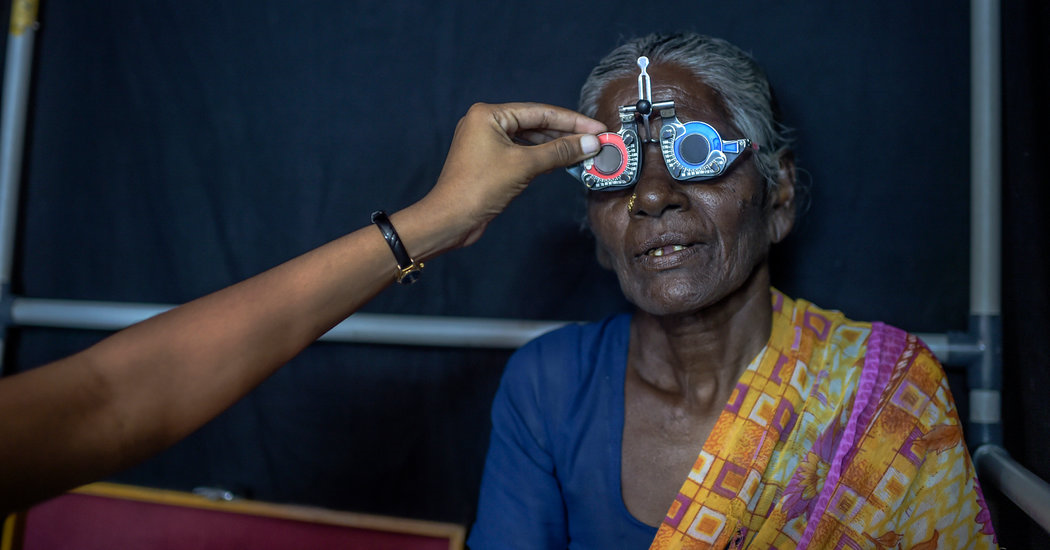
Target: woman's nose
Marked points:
656	191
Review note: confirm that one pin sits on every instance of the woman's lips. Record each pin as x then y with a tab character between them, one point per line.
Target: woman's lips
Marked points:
665	250
667	255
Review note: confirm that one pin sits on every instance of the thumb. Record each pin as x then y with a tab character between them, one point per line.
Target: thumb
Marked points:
562	152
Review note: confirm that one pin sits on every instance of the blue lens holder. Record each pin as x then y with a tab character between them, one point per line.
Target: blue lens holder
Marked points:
686	165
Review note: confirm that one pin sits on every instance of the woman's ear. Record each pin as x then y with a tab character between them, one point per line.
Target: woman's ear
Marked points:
782	207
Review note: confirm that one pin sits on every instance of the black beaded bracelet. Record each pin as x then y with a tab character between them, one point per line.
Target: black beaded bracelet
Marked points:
408	270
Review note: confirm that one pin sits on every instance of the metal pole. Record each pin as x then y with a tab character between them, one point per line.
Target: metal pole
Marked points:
1025	489
985	373
370	328
1030	493
985	158
12	136
374	328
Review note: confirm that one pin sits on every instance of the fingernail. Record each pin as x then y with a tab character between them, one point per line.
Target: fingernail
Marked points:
589	144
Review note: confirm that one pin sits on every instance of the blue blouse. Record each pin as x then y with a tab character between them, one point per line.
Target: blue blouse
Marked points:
552	475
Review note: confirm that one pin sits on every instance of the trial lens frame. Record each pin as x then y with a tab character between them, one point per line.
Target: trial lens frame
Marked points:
692	151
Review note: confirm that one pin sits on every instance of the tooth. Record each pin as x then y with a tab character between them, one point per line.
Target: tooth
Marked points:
678	247
658	252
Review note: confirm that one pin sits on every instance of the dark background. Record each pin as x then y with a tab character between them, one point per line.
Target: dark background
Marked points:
176	147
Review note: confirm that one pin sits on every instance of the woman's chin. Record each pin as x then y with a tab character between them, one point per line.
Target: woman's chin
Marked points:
693	296
670	302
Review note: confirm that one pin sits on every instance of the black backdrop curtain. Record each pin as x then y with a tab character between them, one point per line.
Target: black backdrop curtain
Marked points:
176	147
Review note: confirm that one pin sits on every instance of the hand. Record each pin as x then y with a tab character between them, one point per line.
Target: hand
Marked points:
487	166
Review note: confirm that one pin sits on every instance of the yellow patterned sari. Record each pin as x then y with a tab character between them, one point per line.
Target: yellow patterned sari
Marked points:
838	435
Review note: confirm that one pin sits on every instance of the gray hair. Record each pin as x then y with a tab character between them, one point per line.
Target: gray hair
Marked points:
729	71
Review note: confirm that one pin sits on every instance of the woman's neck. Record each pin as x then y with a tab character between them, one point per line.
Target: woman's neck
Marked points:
702	355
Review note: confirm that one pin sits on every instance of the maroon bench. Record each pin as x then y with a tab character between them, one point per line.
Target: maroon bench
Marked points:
107	516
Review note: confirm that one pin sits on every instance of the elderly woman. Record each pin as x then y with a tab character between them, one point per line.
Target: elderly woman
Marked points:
720	413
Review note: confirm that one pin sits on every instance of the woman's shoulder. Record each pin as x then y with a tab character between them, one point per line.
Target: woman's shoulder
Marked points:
876	341
571	357
574	339
822	322
845	354
840	334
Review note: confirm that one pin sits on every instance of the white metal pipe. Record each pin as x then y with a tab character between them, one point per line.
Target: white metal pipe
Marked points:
17	66
985	158
1030	493
372	328
75	314
12	124
985	376
995	467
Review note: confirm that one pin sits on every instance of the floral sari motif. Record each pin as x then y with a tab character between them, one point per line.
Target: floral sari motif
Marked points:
801	492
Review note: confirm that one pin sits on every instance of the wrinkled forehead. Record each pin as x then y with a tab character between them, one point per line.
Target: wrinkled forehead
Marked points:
694	100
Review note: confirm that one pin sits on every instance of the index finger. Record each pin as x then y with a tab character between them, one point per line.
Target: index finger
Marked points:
514	117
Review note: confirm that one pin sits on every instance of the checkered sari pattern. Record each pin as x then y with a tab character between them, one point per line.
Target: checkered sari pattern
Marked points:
839	435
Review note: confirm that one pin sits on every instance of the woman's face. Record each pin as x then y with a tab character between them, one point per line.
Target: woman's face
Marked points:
685	245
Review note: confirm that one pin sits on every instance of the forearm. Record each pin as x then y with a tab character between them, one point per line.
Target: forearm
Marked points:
219	347
143	389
